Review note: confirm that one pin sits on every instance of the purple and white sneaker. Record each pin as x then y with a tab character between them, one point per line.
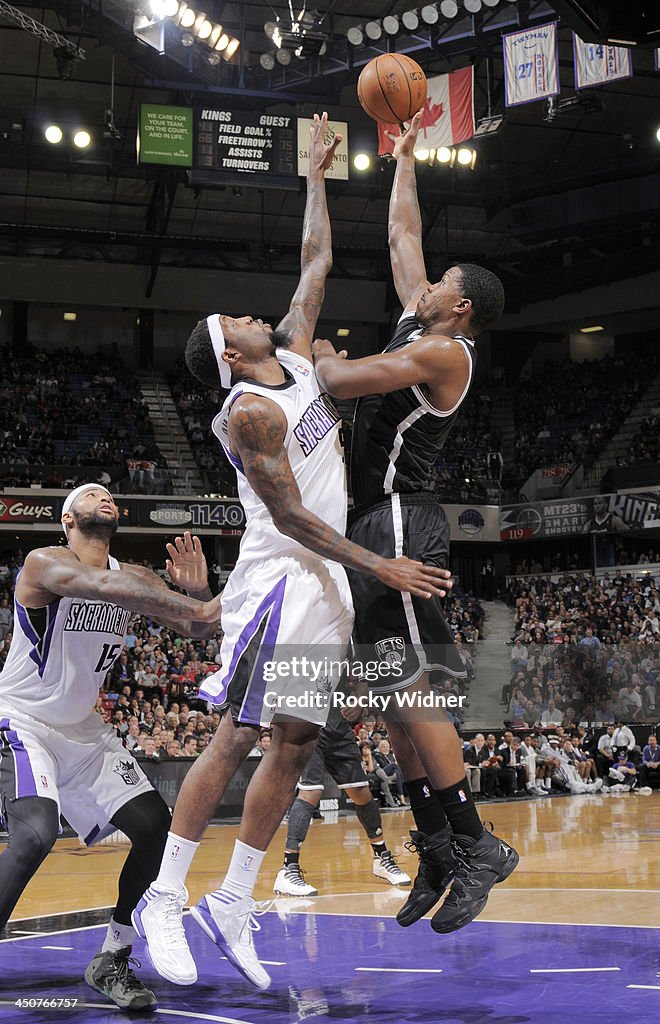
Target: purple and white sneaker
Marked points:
158	919
230	924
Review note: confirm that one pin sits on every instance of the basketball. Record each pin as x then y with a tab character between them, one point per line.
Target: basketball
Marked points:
392	88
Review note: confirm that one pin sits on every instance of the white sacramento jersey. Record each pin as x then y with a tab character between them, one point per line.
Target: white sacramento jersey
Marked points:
60	655
313	445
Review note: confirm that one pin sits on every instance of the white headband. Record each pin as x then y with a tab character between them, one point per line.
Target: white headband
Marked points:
74	495
218	342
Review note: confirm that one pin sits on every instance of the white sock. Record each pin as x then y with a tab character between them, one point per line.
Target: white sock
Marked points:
242	874
118	936
547	783
175	865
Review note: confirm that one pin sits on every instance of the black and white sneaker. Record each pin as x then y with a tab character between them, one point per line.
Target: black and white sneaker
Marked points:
481	864
290	882
436	870
386	867
111	974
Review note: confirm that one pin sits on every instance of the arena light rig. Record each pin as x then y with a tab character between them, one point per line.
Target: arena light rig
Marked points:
150	27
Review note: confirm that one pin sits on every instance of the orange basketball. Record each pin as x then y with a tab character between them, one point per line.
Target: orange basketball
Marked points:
392	88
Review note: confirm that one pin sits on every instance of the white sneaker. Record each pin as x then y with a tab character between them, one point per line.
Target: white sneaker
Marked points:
579	787
158	919
614	773
386	867
230	926
595	785
644	790
290	882
539	791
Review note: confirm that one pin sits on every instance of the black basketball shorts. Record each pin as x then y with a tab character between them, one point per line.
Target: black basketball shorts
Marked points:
408	632
337	753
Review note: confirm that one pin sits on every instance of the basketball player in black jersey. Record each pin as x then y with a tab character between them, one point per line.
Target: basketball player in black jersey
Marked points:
409	397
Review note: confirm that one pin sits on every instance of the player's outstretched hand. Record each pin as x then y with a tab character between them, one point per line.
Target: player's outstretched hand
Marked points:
414	578
321	153
404	144
186	565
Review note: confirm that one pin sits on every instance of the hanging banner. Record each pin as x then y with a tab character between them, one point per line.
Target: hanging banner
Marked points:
448	117
605	513
596	63
531	67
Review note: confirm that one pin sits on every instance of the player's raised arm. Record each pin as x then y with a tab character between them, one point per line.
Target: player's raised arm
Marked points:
256	431
405	221
316	250
58	572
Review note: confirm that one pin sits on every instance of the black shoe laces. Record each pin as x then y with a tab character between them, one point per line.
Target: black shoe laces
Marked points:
124	974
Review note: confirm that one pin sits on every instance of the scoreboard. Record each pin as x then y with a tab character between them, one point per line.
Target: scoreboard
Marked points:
236	145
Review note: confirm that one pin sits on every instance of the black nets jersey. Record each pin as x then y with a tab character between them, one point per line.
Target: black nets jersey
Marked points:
397	436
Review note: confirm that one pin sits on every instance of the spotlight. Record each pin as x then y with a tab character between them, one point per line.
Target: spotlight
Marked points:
467	157
188	18
422	154
373	30
216	32
491	3
429	14
204	30
443	155
171	8
343	332
187	39
449	8
213	58
270	28
82	139
391	24
232	47
355	36
657	135
53	134
410	20
472	6
222	43
361	161
267	61
283	57
71	316
592	330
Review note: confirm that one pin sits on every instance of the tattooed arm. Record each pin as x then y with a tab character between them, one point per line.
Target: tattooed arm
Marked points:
405	222
57	572
256	433
316	251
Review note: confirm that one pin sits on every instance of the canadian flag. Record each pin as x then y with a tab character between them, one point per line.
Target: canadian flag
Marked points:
448	113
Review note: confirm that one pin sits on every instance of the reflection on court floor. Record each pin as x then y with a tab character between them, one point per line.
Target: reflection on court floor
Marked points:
346	968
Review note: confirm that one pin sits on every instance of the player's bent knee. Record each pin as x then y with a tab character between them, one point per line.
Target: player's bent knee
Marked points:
33	826
145	819
369	817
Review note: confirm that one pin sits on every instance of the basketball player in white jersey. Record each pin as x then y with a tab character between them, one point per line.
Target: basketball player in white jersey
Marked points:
409	397
72	609
287	597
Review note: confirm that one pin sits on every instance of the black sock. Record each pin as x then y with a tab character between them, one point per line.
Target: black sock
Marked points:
291	858
426	807
458	805
379	849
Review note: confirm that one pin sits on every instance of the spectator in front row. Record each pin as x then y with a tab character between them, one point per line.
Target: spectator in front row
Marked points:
471	752
650	768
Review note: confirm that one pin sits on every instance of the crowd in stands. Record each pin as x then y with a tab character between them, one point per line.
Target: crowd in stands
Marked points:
645	445
585	650
469	469
197	406
67	417
566	413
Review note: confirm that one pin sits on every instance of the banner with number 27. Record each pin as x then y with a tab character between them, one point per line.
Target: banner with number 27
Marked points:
531	69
